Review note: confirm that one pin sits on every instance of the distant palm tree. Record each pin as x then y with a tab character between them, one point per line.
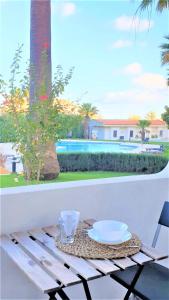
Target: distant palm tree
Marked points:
40	72
160	5
143	124
87	111
151	115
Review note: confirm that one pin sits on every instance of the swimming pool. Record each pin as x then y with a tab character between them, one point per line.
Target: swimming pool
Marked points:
89	146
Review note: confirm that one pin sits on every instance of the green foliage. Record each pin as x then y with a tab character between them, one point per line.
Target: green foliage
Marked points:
161	5
87	110
165	52
77	132
143	124
7	130
165	55
148	4
37	129
165	115
63	125
118	162
41	125
60	81
68	124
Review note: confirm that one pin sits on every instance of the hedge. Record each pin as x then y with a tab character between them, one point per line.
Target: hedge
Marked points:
119	162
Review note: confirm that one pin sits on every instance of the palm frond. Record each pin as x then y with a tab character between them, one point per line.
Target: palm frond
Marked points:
165	46
168	77
145	4
162	4
165	52
165	57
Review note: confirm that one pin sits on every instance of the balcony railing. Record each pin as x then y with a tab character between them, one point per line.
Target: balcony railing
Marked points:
136	200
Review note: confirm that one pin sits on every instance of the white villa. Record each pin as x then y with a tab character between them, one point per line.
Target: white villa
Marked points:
126	130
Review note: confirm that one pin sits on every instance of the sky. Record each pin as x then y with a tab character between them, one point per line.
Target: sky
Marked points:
115	52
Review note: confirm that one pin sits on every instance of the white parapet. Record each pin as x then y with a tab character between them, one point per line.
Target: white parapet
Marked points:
135	200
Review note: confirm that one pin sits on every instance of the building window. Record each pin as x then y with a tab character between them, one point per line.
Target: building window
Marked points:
161	133
131	133
114	133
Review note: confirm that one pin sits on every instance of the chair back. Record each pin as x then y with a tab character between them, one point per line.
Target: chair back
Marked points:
164	217
163	221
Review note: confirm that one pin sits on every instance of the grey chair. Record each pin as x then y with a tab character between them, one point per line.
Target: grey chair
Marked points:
153	282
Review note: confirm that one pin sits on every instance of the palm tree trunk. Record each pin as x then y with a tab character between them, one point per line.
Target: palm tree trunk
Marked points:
143	134
86	127
41	71
40	44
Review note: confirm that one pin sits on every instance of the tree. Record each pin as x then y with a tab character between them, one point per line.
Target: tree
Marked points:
160	6
143	124
67	124
165	54
67	107
135	117
36	127
40	72
87	111
165	115
148	4
151	116
20	101
69	118
7	129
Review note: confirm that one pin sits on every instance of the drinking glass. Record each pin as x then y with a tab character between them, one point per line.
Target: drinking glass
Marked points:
68	222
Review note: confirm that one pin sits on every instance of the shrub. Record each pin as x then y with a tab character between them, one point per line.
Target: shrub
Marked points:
119	162
7	130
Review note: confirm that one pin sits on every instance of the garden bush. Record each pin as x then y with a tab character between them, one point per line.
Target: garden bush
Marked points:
118	162
7	131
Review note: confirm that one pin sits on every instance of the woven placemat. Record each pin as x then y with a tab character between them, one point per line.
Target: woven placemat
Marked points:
85	247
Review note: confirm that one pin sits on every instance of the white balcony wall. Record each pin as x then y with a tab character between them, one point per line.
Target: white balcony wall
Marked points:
136	200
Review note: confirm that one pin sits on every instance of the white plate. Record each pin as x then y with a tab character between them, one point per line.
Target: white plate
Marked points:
94	236
110	229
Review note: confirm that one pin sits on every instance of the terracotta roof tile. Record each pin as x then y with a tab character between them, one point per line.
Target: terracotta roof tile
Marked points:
128	122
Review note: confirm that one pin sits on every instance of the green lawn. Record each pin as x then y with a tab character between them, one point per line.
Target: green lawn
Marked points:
13	180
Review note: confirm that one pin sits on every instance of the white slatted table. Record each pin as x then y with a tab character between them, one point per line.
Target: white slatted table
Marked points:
51	270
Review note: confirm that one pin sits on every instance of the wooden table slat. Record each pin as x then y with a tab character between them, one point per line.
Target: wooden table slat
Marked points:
80	265
152	252
105	266
52	264
163	262
29	252
52	230
124	262
35	273
141	258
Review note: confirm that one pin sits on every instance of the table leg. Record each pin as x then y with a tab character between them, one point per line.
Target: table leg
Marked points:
63	295
52	296
86	289
133	283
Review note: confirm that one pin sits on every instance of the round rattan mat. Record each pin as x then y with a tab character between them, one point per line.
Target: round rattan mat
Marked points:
85	247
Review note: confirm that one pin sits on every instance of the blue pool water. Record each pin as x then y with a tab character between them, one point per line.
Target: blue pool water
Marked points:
80	146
